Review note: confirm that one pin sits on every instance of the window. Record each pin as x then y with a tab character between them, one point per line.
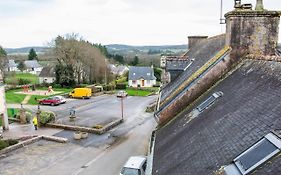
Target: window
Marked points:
148	81
209	101
256	155
148	74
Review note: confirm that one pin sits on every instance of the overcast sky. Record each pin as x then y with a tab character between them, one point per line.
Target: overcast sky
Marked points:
135	22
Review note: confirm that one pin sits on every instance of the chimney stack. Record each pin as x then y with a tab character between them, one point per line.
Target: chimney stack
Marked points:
193	40
259	5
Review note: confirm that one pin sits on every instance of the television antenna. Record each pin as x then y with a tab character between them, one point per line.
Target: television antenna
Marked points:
222	20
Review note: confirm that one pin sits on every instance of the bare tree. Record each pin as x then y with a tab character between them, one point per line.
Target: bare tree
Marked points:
88	63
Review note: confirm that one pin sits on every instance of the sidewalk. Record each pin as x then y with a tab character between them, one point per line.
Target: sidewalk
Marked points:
17	130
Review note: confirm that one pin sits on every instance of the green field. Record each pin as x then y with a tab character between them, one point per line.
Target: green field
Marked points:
34	79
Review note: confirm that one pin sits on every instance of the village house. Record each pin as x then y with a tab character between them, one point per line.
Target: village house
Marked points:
118	70
47	75
12	66
141	77
222	114
33	67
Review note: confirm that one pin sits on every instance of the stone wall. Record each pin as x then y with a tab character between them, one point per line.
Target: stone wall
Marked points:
255	32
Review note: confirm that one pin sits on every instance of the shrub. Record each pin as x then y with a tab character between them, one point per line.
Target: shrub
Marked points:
27	114
121	86
6	143
108	87
23	81
46	117
121	80
3	144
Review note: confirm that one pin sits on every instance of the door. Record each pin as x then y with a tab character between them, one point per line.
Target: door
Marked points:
142	82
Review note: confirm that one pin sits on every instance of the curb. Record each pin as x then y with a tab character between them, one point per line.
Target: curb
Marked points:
32	140
86	129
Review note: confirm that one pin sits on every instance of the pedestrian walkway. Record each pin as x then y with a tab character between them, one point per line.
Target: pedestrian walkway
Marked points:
26	99
17	130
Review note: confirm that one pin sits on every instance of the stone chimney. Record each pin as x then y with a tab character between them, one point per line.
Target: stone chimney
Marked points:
253	31
193	40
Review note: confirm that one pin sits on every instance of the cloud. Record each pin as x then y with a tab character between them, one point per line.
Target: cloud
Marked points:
35	22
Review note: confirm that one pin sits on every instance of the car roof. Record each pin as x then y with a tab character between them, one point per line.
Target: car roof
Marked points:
135	162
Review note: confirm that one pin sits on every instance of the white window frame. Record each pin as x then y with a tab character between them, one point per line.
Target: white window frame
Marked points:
271	138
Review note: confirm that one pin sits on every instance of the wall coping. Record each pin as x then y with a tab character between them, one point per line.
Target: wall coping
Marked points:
252	13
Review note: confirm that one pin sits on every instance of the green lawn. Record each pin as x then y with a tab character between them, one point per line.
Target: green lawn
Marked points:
136	92
34	79
11	97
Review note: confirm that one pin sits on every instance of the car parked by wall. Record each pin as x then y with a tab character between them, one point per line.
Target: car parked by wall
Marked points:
136	165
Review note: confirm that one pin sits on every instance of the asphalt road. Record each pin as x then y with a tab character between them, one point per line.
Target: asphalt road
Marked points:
103	154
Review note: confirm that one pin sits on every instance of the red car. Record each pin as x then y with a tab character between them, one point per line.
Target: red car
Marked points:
50	101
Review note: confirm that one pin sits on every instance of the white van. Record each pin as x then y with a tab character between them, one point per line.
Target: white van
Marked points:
135	165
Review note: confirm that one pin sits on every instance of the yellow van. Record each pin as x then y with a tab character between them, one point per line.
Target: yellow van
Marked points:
81	93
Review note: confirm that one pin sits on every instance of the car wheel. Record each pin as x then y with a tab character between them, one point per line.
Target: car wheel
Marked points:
41	103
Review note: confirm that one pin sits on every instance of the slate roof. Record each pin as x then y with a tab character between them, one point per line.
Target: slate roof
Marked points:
32	64
248	110
136	73
48	72
201	53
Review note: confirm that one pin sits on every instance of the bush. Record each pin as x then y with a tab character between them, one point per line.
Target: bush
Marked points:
108	87
23	81
121	80
3	144
46	117
27	114
6	143
121	86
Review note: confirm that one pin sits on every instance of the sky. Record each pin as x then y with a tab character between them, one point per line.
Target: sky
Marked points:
134	22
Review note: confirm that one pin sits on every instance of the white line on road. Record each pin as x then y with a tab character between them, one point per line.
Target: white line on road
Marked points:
89	163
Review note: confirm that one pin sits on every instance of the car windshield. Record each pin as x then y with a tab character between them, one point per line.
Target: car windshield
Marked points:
130	171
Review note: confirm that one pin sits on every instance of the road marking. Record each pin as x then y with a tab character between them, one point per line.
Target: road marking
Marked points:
89	163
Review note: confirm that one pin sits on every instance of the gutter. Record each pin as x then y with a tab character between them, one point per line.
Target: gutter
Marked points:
150	154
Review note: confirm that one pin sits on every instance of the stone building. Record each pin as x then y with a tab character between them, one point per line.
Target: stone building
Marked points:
222	114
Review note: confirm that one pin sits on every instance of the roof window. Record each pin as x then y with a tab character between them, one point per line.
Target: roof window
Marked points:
256	155
209	101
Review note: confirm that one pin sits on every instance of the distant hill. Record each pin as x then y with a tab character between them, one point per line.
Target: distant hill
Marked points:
123	49
112	48
25	50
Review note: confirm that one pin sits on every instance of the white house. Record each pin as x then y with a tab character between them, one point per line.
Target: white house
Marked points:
141	77
47	75
12	66
33	67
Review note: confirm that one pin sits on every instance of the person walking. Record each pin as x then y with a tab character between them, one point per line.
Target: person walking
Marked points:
35	122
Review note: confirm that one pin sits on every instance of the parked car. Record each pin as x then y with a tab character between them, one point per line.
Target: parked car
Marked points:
81	93
122	94
61	98
50	101
136	165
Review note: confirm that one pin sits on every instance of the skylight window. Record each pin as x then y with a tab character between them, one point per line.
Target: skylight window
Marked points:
256	155
209	101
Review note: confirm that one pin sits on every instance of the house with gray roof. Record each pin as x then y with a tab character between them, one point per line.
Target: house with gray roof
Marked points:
47	75
141	77
33	67
221	116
